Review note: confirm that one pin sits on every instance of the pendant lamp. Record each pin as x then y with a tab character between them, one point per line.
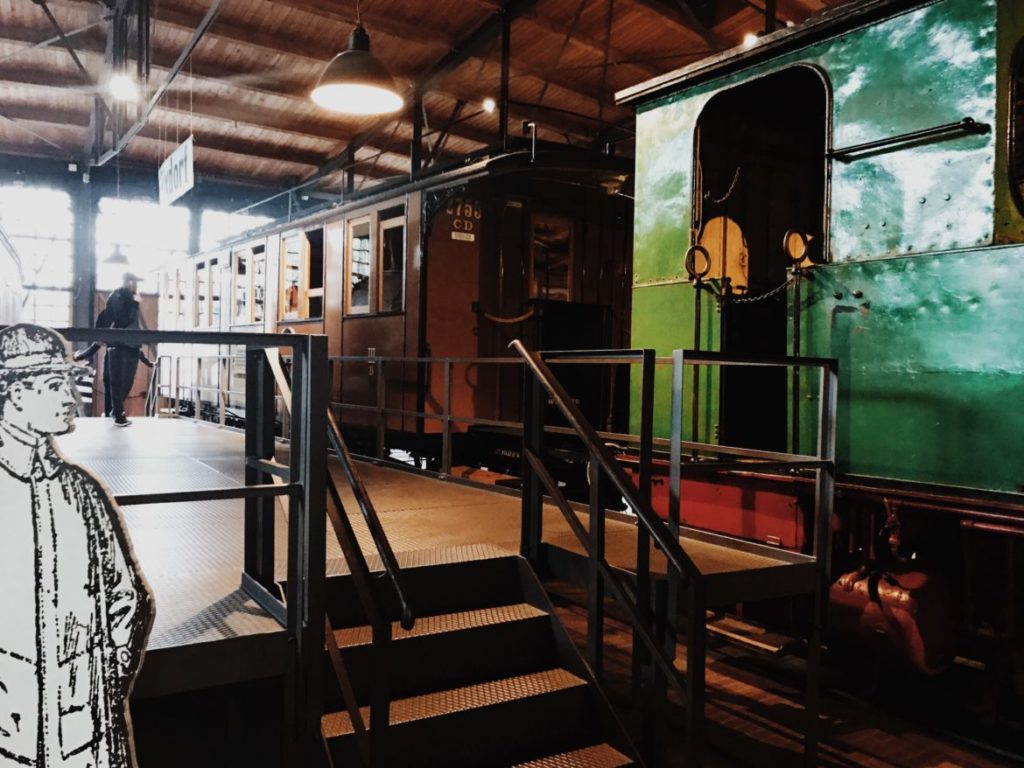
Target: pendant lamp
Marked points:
355	83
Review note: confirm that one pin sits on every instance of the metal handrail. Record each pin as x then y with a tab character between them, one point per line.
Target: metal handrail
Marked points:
380	538
369	742
651	522
366	507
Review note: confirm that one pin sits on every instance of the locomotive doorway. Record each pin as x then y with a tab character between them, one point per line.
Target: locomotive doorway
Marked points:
760	173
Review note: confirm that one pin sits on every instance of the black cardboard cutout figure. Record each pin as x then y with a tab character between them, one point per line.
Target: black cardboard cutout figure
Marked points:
75	610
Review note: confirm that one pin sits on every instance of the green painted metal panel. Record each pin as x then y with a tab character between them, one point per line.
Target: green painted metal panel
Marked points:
664	320
931	365
928	67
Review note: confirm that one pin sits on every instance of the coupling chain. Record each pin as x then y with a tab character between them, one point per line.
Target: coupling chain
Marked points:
747	299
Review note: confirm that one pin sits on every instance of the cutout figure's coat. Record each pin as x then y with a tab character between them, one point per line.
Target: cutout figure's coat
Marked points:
75	609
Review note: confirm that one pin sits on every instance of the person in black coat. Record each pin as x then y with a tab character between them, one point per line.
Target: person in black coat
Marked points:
122	311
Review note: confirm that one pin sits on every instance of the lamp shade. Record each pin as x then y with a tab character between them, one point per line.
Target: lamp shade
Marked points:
356	83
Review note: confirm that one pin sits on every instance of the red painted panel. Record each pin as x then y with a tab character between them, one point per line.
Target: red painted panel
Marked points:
755	508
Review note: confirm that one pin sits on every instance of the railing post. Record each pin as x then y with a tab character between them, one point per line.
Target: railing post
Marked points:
381	401
380	696
223	372
307	543
643	539
595	581
446	437
696	655
822	551
534	401
197	384
259	444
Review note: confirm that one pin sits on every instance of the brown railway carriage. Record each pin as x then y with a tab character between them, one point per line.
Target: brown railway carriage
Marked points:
453	265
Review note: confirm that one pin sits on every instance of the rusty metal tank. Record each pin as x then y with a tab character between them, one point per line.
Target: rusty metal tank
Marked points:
905	618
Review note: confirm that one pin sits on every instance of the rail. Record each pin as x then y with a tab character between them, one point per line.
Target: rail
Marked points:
302	609
372	743
654	630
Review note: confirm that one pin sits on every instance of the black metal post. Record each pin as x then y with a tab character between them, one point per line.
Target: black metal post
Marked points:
695	393
416	155
824	496
506	53
83	309
770	16
350	171
643	539
259	444
795	394
696	653
307	542
534	401
595	581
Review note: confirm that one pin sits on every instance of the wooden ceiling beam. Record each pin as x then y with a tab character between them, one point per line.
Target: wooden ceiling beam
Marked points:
78	118
321	54
535	18
344	12
680	12
211	107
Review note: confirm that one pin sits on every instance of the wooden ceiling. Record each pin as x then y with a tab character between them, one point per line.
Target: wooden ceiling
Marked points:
244	90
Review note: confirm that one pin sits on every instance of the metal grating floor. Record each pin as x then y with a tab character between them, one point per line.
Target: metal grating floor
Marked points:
460	699
442	623
597	756
191	554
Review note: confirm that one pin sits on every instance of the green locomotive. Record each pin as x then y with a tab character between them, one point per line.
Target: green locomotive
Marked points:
852	188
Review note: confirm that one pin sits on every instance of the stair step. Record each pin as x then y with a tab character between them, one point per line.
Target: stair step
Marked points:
449	650
434	585
352	637
462	699
597	756
750	636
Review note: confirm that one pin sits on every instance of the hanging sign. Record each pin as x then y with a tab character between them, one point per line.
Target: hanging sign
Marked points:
177	175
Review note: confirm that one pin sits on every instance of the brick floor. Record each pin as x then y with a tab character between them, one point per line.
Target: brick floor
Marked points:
755	712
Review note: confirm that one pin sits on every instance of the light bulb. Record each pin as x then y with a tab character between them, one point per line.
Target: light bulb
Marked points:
123	87
489	105
357	99
749	39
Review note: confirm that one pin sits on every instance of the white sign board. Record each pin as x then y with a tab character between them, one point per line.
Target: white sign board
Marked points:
177	174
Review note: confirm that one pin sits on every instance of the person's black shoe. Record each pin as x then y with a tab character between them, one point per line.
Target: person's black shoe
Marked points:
122	421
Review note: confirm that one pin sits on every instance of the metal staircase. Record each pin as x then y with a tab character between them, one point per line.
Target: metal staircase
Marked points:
487	676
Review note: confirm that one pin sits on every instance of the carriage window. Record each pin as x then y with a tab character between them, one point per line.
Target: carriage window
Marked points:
358	267
302	275
392	264
215	274
242	285
1017	127
202	316
291	277
248	268
259	283
551	258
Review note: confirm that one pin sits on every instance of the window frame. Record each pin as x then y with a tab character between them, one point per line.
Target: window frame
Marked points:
532	289
1015	128
394	222
369	308
249	251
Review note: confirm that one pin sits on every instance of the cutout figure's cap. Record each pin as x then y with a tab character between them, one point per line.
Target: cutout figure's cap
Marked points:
27	350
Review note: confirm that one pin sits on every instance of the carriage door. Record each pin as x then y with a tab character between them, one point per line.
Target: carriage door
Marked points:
760	174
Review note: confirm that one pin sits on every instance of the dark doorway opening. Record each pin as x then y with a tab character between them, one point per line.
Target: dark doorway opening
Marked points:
760	173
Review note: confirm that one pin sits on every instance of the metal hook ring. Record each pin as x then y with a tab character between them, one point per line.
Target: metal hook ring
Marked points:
803	240
690	261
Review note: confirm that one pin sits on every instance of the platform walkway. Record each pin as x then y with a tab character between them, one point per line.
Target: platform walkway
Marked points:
208	632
